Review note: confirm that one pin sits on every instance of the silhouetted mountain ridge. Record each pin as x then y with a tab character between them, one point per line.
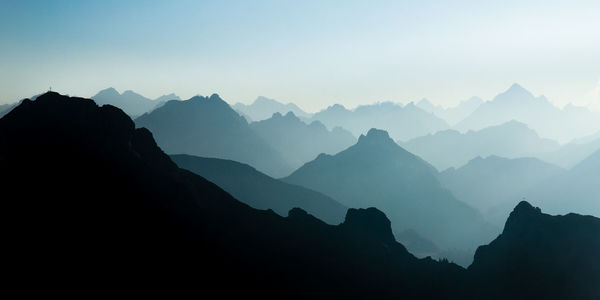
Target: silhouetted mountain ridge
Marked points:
208	127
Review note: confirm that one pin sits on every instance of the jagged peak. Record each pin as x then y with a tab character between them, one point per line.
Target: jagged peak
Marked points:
375	135
522	214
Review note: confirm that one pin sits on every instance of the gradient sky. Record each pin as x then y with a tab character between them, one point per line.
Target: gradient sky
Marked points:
313	53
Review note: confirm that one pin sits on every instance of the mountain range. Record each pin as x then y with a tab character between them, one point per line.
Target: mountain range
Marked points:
451	115
538	113
377	172
208	127
451	148
103	201
402	122
131	102
494	185
299	142
263	108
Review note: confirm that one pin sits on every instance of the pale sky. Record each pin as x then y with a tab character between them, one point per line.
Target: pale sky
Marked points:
313	53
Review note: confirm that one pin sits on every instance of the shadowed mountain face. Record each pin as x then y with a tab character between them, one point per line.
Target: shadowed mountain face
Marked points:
129	101
207	126
103	201
403	123
494	185
298	142
539	256
538	113
377	172
263	108
261	191
576	190
451	148
6	108
451	115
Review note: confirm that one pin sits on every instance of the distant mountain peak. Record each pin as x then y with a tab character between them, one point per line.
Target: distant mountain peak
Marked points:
371	221
516	91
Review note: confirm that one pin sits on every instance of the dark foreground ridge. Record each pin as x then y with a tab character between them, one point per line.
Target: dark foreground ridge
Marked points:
96	203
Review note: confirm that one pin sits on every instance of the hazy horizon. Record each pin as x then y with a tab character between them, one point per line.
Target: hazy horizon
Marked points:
312	54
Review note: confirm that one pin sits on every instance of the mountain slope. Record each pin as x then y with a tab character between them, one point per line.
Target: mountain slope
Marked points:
494	185
261	191
576	190
208	127
539	256
299	142
103	201
263	108
402	122
451	148
377	172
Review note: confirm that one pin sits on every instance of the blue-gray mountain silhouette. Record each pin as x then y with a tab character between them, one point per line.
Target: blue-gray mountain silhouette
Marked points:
298	142
103	201
538	113
494	185
402	122
539	256
129	101
377	172
263	108
208	127
98	199
572	153
262	191
451	115
451	148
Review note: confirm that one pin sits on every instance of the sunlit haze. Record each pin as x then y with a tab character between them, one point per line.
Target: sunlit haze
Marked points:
312	53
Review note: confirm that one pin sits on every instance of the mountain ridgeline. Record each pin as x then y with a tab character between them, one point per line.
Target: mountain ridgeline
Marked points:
96	198
261	191
208	127
377	172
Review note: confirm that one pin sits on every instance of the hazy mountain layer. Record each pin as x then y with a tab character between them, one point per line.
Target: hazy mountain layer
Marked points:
298	142
402	122
263	108
208	127
261	191
576	190
129	101
451	148
538	113
451	115
494	185
377	172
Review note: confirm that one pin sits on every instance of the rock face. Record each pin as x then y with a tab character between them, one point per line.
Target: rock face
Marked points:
376	172
208	127
541	256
